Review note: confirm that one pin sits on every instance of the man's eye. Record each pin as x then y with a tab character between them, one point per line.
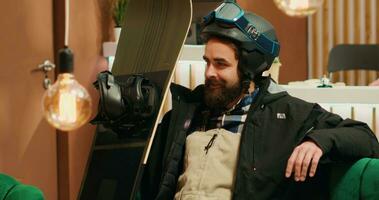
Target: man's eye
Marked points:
221	64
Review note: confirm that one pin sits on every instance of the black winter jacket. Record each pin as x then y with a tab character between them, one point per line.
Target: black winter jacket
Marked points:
267	142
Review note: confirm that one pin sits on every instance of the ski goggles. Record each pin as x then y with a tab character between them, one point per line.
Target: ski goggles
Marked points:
229	14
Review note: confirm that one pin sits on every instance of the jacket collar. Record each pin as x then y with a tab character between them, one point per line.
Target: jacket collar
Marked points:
182	93
272	91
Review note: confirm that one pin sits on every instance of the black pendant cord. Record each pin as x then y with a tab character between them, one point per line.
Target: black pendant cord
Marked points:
65	55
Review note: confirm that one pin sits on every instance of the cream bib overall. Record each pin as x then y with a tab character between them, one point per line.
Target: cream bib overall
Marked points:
210	163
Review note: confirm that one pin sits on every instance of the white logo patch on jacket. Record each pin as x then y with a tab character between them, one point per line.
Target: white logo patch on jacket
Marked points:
280	115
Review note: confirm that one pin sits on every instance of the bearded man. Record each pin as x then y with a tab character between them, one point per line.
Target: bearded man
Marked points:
240	135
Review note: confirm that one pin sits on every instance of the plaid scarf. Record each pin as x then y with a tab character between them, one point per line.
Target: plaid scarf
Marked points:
234	119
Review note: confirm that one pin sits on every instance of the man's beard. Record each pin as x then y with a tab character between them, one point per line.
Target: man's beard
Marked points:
217	99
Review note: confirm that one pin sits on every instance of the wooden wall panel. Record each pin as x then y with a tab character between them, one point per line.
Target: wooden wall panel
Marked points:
90	26
27	142
292	34
354	22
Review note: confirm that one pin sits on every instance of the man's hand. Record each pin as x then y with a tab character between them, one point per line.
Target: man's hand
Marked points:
302	156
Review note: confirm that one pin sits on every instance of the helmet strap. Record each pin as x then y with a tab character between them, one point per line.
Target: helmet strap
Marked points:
245	83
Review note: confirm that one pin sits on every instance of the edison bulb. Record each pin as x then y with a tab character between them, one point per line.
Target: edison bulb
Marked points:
299	8
66	104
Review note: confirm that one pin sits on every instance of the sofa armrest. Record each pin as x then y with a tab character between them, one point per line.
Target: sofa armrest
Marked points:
22	191
370	180
11	189
359	180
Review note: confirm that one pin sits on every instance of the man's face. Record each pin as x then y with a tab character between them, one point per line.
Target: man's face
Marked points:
222	78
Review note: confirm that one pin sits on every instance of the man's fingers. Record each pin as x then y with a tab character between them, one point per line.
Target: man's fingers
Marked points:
291	162
315	160
306	162
299	162
304	155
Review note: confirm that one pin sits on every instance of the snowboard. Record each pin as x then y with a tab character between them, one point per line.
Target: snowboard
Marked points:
151	39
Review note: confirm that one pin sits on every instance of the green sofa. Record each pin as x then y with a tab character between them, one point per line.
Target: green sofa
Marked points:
11	189
347	182
357	181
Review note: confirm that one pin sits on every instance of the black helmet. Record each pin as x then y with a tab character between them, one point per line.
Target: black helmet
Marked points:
255	36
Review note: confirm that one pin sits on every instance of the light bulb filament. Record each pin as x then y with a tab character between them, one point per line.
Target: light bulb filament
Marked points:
67	107
299	4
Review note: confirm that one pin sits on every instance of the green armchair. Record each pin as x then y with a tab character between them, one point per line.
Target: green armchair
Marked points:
357	181
11	189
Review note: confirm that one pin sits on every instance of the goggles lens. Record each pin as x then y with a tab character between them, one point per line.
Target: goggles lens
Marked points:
228	12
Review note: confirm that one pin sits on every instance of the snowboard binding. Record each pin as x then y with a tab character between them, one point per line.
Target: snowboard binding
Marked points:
125	104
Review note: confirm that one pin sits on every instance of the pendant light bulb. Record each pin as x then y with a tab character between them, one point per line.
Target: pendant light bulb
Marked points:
299	8
66	104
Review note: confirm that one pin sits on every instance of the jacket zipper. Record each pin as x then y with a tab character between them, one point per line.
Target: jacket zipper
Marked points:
253	110
309	130
306	133
254	107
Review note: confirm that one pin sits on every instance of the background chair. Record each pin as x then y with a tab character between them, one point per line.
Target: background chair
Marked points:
11	189
353	57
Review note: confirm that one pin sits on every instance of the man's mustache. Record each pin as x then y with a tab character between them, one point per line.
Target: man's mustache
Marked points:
214	82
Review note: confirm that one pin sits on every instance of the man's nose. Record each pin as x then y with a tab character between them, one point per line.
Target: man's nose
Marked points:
210	71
